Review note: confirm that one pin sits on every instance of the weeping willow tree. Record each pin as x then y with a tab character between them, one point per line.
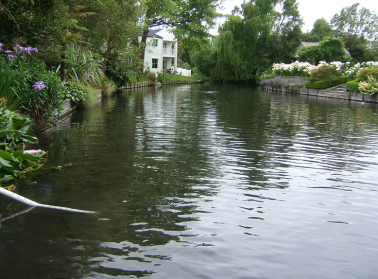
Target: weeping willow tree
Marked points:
242	46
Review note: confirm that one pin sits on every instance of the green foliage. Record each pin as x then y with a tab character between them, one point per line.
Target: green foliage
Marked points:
75	92
354	21
329	49
356	27
7	82
83	65
92	97
203	60
322	84
242	47
175	78
310	54
26	70
353	86
13	133
325	73
366	73
370	86
321	30
332	49
120	70
160	78
108	88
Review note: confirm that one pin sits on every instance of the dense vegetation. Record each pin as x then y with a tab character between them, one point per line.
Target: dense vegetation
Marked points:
52	50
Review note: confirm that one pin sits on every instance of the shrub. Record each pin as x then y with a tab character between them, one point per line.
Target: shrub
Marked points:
352	86
83	66
75	92
322	84
7	81
92	96
108	88
160	78
151	77
370	86
325	73
294	69
278	82
13	162
365	73
39	89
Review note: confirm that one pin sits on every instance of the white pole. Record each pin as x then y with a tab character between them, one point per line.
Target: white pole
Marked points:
34	204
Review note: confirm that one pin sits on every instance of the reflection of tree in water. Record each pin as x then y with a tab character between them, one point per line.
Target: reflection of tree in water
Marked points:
275	122
145	161
141	185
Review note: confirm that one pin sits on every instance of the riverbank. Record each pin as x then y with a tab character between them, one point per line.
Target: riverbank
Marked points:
68	107
336	92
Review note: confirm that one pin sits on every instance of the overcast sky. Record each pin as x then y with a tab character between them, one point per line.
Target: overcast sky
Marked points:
312	10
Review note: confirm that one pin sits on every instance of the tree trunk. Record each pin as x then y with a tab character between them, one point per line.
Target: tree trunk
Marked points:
63	64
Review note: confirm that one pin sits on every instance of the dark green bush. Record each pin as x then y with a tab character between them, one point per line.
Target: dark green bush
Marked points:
318	84
40	102
352	86
364	73
321	84
325	73
75	92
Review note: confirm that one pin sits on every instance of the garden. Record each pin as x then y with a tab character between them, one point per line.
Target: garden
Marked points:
32	93
359	77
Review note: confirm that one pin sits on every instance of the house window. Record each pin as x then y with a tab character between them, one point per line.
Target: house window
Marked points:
154	42
154	63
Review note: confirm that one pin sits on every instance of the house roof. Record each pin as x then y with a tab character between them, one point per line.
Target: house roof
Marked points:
152	33
304	44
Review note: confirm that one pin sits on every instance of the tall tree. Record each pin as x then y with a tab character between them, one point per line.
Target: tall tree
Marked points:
329	49
189	18
242	47
321	29
114	25
356	27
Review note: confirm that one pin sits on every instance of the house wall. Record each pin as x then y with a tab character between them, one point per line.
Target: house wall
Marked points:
158	52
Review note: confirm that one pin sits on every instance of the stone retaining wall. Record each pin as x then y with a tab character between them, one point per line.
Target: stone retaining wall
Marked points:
325	93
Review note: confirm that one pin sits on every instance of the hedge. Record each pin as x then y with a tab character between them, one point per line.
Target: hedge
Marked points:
352	86
321	84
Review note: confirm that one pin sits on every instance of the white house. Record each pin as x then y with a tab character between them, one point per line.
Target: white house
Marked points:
161	53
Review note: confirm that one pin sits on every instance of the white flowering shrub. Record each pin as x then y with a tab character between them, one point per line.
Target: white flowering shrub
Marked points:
304	68
294	69
353	71
369	87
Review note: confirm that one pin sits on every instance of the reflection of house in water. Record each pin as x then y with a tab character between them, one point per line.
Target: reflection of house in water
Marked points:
161	53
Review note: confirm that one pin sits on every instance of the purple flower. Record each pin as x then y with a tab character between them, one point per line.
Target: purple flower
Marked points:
30	49
8	51
38	86
2	70
86	76
11	57
1	45
19	49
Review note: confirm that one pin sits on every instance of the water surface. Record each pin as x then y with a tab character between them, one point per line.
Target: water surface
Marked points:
202	181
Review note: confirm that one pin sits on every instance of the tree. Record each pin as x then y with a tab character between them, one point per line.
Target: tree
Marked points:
356	28
329	49
204	60
114	25
321	29
189	19
242	47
